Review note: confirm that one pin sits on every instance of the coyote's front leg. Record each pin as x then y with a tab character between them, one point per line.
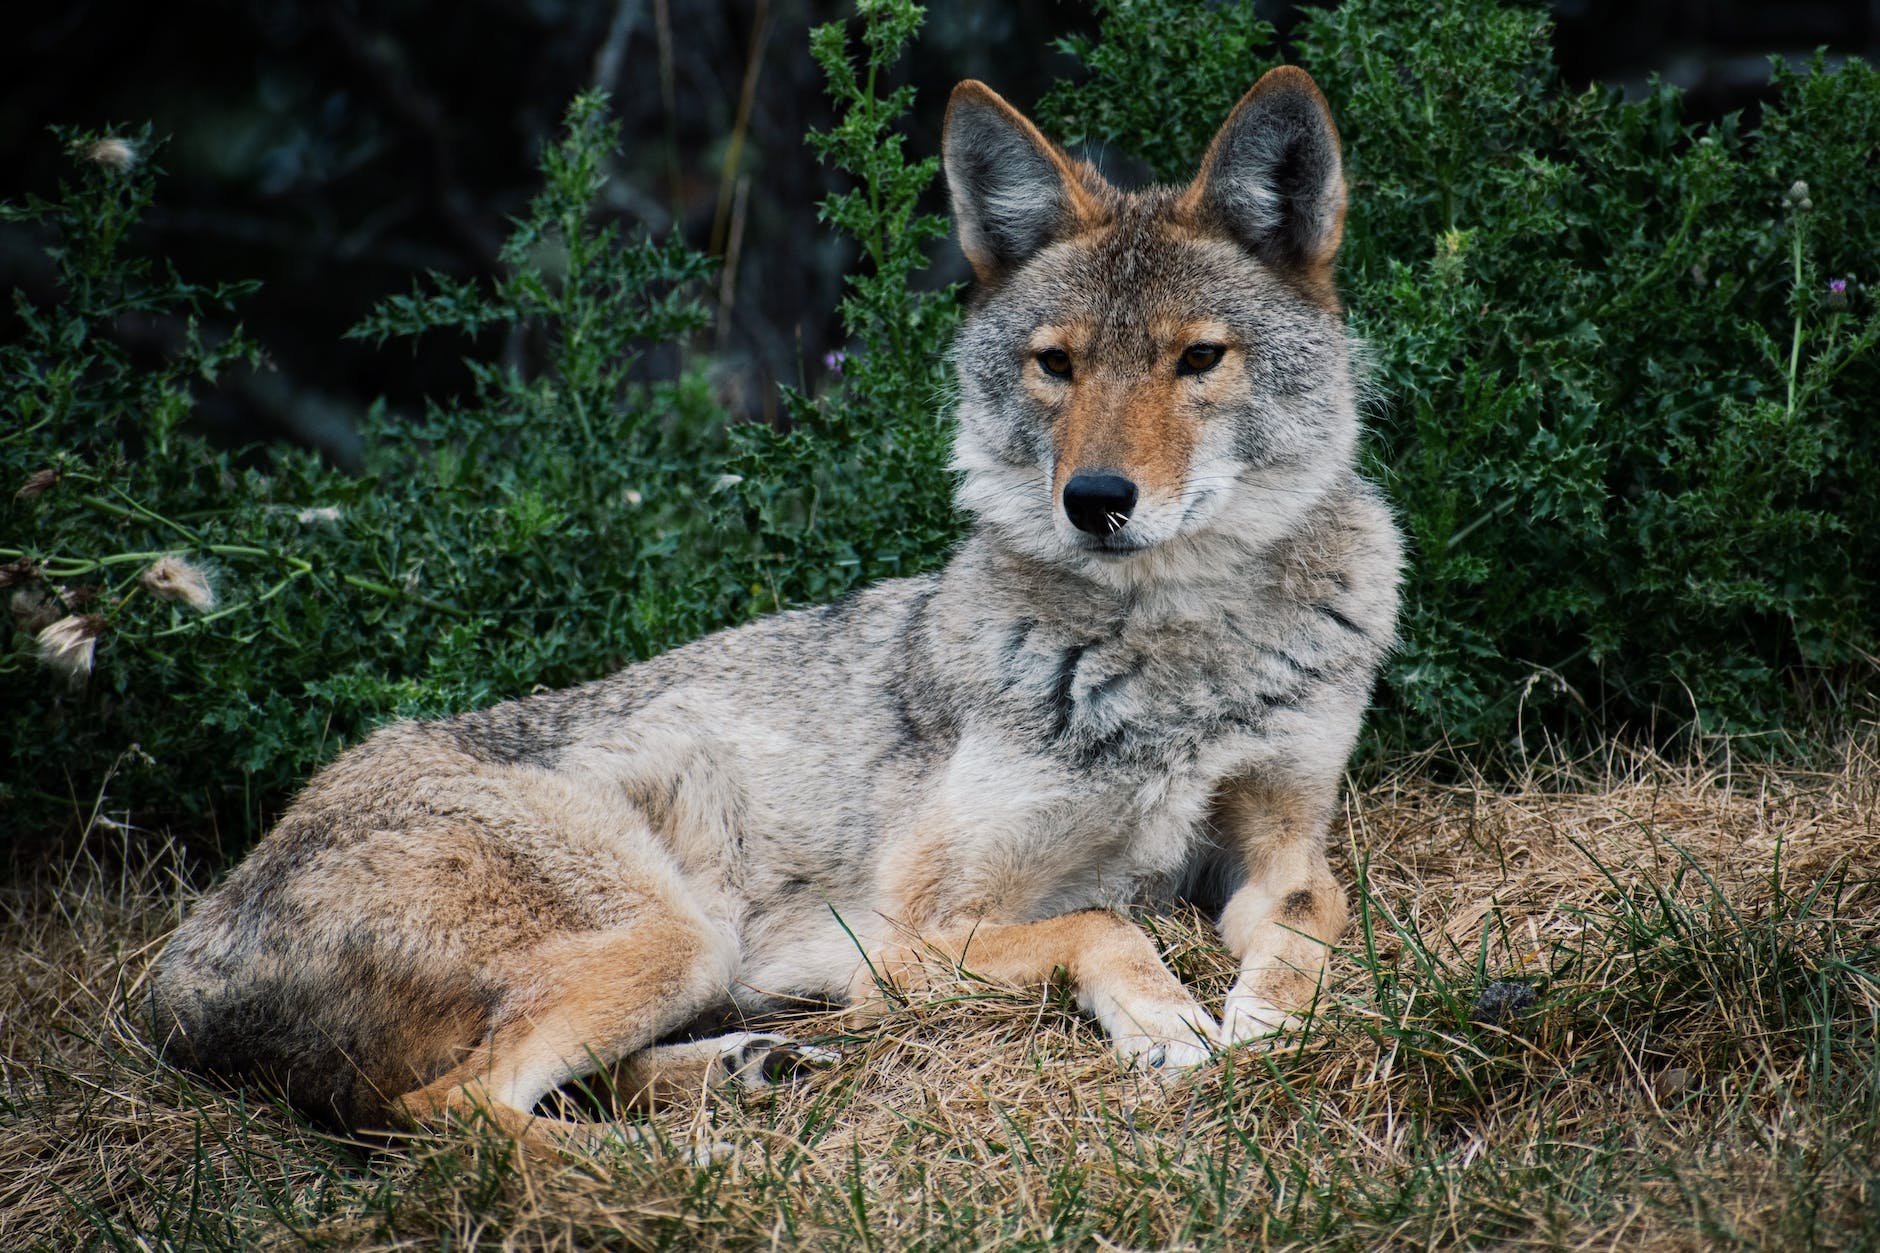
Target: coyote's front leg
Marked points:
1111	965
1282	921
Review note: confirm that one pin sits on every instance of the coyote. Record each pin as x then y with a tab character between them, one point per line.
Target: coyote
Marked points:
1139	677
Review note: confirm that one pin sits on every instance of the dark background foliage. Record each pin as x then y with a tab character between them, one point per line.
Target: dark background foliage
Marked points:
329	149
1623	416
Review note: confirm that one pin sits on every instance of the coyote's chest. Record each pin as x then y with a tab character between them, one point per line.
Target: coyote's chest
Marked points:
1140	701
1108	748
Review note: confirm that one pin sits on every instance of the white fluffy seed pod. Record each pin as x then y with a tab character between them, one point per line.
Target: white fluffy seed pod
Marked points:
112	153
172	578
68	646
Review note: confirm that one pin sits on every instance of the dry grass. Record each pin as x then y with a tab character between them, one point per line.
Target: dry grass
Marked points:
1700	1071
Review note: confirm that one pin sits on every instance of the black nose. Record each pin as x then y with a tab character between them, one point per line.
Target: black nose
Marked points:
1099	503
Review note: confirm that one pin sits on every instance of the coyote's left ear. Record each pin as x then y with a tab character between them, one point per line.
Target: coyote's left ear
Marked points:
1273	180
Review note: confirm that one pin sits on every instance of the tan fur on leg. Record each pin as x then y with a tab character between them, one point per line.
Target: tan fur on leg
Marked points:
591	1000
1113	968
1283	920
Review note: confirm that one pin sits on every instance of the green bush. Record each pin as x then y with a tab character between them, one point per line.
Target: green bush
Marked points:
549	529
1617	401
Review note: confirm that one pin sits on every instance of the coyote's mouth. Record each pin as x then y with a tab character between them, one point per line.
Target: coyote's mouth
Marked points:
1113	547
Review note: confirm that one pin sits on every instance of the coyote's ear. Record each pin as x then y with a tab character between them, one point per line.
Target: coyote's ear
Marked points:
1272	177
1013	190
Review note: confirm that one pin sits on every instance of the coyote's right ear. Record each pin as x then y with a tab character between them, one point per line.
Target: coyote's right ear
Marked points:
1013	190
1273	180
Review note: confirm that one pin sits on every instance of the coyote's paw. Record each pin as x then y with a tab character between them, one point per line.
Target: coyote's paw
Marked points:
1161	1040
1248	1018
1151	1055
755	1060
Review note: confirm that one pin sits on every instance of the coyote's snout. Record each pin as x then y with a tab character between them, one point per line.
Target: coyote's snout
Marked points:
1139	676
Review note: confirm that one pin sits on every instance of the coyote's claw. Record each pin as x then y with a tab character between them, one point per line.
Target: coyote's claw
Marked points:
1164	1041
1163	1058
757	1061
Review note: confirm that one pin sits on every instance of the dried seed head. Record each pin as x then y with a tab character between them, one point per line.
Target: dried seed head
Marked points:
33	609
112	153
41	482
68	646
13	573
172	578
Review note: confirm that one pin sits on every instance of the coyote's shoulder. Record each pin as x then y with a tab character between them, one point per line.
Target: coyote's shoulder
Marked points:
1141	674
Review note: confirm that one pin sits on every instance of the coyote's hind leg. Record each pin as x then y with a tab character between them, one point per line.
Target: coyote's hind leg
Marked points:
580	1003
751	1060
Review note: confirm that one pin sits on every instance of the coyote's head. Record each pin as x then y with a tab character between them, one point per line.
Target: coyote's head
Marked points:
1143	369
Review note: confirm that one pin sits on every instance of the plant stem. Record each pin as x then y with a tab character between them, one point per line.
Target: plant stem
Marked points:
1795	343
72	569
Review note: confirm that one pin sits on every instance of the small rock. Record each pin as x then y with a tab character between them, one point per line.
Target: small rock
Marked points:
1673	1082
1502	1001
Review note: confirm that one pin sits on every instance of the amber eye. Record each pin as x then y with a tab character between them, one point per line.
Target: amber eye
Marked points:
1200	358
1056	361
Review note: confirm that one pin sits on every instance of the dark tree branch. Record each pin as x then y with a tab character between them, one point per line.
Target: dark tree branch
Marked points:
613	48
380	59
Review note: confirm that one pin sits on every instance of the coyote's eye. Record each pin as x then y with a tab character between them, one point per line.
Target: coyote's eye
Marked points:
1199	358
1056	361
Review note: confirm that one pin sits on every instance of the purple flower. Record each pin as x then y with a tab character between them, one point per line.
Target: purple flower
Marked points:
1837	293
833	359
